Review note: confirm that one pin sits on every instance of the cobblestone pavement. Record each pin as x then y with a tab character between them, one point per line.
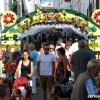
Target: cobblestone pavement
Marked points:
38	96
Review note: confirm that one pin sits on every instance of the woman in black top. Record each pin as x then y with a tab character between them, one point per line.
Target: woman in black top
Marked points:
25	65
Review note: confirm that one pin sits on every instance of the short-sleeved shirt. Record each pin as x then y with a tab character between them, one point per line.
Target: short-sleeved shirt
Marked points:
79	61
7	55
46	63
34	55
74	47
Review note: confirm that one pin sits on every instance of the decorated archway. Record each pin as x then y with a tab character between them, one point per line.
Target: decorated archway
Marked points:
42	19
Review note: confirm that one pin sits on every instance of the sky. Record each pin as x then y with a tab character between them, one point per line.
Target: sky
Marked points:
43	1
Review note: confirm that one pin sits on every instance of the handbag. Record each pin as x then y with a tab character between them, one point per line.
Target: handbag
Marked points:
68	73
16	76
64	90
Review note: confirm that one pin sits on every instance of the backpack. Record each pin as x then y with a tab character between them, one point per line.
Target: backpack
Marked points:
8	67
14	65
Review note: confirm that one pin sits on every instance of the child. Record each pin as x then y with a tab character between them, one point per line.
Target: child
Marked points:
17	92
17	95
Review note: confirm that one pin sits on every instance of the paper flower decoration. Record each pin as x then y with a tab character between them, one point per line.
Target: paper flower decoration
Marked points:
8	18
97	17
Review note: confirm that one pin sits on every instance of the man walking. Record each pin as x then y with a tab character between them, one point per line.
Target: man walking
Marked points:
80	59
45	68
5	58
34	55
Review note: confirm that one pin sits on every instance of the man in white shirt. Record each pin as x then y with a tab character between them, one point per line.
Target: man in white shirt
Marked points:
45	71
74	46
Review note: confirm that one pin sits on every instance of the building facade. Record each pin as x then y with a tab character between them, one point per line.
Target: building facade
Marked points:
84	6
20	7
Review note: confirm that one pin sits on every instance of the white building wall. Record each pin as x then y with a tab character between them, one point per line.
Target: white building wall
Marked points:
29	6
2	6
84	6
72	5
19	9
38	2
67	5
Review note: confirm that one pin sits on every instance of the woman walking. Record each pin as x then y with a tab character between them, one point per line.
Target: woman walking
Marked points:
60	75
25	65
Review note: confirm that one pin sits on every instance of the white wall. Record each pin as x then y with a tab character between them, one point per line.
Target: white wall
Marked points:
84	6
38	2
71	5
19	9
29	6
63	4
1	6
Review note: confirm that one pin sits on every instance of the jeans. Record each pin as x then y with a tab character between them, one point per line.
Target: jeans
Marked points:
33	80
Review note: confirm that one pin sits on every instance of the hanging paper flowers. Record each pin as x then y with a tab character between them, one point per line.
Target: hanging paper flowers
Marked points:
53	30
8	18
58	9
52	16
45	10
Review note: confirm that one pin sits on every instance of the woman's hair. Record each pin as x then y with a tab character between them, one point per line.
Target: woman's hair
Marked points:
61	50
3	88
14	55
28	53
51	45
39	47
68	44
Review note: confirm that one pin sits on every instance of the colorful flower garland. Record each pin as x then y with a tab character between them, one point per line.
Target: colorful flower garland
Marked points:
8	18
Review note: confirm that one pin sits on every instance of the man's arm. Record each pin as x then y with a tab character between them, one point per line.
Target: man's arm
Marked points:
72	64
91	88
71	67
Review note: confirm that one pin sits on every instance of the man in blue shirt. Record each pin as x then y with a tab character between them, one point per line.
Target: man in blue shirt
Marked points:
34	55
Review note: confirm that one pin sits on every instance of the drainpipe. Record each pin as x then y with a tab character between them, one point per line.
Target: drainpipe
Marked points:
19	8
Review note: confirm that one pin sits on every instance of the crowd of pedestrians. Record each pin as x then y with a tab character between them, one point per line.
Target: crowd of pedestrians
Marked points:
47	65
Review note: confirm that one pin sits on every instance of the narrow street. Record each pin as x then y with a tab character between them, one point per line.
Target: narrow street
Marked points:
38	96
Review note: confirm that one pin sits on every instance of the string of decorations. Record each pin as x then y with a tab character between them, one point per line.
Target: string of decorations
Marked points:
45	17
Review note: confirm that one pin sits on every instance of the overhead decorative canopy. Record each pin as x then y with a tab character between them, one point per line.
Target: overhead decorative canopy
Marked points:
66	28
44	19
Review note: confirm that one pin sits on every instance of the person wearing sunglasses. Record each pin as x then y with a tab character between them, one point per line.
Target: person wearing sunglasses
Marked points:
45	69
51	49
